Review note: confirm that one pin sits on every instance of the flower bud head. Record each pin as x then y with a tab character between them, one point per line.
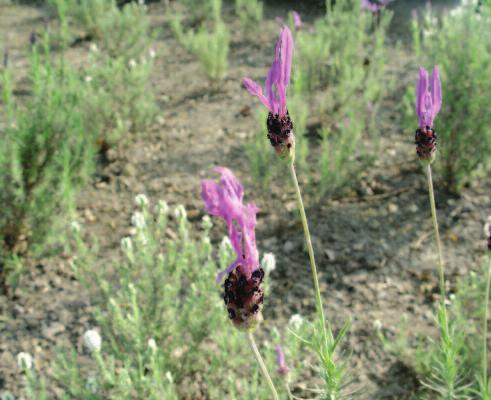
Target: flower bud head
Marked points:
92	340
152	345
24	361
141	200
138	220
268	263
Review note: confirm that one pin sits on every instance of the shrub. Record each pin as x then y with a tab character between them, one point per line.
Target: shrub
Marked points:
165	331
120	32
211	47
461	47
116	97
250	12
46	155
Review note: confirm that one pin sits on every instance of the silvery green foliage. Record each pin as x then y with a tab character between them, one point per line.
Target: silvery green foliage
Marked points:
250	12
164	327
210	43
117	95
460	44
120	31
46	154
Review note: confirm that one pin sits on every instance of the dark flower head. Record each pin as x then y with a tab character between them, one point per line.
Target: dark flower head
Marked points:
276	84
243	294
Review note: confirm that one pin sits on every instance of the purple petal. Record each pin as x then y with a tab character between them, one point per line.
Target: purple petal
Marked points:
225	199
297	21
436	91
421	90
271	80
280	361
254	89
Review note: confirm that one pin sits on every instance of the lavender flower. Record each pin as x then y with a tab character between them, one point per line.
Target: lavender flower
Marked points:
280	126
297	21
428	104
280	361
243	295
374	7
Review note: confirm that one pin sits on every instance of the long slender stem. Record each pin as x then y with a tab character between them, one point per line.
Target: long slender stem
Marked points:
262	365
310	249
437	233
485	329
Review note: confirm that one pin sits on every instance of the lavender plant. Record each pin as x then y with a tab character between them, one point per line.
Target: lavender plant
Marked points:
119	32
461	44
116	96
210	47
46	156
281	137
160	331
250	12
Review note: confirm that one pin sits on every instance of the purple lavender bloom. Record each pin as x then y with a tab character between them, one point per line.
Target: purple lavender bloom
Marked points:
374	7
428	97
280	126
280	361
297	21
243	295
224	199
428	104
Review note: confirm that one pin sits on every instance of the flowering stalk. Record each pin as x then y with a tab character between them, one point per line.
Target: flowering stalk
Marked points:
280	134
262	365
485	319
243	294
428	104
310	249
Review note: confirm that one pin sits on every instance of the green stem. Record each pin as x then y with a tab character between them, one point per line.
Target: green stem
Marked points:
310	249
485	329
262	365
441	270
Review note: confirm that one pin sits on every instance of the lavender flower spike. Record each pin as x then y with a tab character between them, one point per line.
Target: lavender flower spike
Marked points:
374	7
243	295
297	21
280	361
280	126
428	104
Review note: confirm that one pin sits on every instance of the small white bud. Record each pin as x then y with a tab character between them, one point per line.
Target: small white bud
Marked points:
268	263
93	48
152	344
75	227
180	212
138	220
92	340
88	79
24	361
206	222
169	377
152	53
132	63
141	200
377	325
296	321
163	207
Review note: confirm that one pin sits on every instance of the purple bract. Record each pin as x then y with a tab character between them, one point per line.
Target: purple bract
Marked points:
225	199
